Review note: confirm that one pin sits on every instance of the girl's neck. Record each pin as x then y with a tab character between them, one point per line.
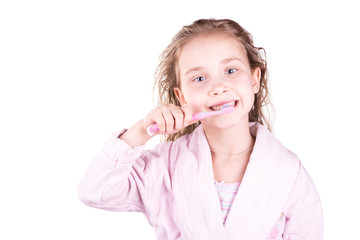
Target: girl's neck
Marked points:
230	143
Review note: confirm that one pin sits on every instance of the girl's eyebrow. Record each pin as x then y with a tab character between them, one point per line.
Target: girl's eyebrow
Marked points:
231	59
226	60
193	69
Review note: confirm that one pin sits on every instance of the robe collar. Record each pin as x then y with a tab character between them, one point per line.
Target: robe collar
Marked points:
262	195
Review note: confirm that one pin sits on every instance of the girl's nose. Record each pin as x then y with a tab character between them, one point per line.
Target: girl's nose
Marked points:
218	89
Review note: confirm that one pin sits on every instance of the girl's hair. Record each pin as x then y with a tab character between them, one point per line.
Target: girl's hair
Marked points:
167	77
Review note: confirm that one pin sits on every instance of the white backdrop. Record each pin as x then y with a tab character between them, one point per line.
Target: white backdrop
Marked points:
72	72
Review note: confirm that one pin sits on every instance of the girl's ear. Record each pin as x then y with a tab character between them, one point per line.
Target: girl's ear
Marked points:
255	79
180	96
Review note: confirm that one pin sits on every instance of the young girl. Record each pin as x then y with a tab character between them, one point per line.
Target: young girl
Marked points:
223	177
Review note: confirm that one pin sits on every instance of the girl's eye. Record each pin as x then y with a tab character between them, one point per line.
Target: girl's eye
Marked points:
231	71
199	79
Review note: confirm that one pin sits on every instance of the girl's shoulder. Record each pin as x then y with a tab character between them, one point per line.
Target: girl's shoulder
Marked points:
268	146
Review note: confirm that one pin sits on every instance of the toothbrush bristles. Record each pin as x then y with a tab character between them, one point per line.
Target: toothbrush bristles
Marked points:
225	106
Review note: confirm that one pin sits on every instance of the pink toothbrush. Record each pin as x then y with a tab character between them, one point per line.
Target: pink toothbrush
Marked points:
153	128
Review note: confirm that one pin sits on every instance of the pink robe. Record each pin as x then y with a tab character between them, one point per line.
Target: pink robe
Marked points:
173	185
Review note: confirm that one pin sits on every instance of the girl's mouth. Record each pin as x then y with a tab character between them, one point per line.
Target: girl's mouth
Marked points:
220	106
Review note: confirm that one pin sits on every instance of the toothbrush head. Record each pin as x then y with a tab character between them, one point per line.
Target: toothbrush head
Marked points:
226	106
224	109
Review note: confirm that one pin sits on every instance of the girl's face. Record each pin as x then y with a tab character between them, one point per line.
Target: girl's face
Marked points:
214	70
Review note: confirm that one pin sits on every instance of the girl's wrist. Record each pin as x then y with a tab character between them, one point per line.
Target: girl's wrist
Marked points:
136	135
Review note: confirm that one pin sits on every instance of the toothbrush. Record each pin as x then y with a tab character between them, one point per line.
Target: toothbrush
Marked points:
153	128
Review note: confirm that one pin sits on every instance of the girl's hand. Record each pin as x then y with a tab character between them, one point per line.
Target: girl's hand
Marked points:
169	118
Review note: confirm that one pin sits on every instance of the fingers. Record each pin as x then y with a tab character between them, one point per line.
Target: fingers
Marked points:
178	117
187	116
169	119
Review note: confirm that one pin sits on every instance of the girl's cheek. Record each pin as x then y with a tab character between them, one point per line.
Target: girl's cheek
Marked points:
197	104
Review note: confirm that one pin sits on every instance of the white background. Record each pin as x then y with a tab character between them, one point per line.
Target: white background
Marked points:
72	72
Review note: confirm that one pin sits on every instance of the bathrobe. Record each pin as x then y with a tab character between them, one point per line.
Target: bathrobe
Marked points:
173	185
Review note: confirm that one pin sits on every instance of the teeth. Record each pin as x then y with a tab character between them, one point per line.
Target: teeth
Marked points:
219	107
216	108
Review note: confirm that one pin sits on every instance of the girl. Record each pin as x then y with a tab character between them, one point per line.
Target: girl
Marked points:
223	177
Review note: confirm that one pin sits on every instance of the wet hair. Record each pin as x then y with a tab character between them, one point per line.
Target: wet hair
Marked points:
167	76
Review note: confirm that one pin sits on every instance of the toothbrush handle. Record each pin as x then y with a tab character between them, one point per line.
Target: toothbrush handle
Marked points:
153	128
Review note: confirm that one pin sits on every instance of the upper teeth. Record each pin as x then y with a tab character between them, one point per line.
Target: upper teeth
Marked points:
216	108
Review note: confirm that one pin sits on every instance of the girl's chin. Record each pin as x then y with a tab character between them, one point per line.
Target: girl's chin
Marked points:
223	124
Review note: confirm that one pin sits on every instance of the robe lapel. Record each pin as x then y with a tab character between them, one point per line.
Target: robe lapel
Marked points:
198	208
268	180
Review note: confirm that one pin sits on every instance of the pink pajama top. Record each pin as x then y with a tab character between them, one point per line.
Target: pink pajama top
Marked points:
173	185
227	193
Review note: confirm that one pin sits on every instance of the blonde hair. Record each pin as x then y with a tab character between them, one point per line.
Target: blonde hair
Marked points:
166	75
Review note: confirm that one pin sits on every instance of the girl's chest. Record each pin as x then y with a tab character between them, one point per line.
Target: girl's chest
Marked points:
229	171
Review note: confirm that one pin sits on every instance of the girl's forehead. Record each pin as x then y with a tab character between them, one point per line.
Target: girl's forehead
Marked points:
211	48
